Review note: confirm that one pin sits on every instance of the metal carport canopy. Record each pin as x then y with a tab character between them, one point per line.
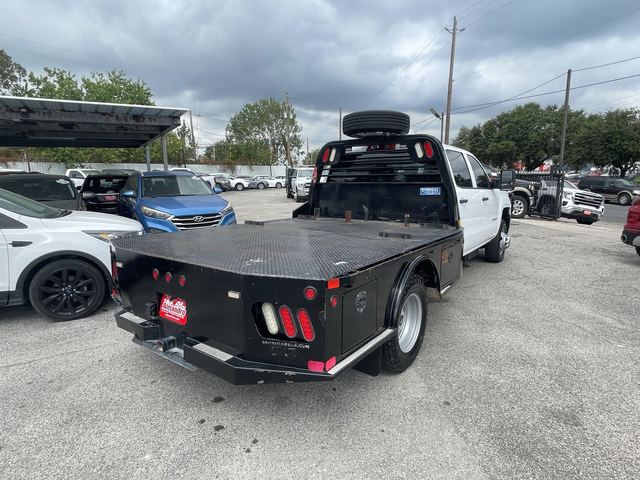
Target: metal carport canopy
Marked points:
43	122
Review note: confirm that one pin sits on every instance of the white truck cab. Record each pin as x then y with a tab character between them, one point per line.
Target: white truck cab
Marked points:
484	209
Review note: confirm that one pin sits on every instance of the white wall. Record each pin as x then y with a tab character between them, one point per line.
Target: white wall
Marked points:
59	168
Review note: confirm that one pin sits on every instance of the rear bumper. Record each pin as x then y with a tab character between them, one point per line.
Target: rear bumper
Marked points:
232	368
631	237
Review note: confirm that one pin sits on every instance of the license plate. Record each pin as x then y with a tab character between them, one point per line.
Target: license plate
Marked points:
110	198
587	212
173	309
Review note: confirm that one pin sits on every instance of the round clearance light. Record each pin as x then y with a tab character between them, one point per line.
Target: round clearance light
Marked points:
310	293
182	280
155	274
333	301
168	277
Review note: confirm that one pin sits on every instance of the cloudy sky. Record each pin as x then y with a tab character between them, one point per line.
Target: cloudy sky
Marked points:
214	56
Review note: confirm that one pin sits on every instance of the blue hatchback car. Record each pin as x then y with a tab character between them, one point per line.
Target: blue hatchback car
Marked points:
170	201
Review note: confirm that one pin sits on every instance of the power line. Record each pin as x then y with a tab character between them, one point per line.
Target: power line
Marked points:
415	129
490	104
490	13
552	92
479	9
469	6
517	57
606	64
407	65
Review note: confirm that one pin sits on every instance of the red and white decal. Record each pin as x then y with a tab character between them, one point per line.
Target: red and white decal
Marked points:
173	309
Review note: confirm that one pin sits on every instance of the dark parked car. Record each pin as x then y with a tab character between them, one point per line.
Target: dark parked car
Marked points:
613	189
100	192
54	190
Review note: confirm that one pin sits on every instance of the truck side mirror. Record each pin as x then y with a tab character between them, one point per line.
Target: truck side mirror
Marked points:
507	180
128	194
217	189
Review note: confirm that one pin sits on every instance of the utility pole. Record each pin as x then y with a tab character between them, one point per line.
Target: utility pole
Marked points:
565	117
183	135
193	139
453	33
307	147
340	125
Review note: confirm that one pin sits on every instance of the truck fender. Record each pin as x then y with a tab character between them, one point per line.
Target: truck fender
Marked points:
423	265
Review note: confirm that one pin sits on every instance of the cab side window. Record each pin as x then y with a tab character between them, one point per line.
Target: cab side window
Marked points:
482	181
460	169
74	174
132	184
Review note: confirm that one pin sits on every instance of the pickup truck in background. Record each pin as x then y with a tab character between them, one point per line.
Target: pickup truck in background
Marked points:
299	182
341	284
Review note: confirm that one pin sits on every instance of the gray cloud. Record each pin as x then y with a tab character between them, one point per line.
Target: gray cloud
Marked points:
215	56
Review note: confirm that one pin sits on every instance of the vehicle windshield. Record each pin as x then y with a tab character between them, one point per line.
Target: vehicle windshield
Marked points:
568	184
305	172
91	172
174	186
41	189
30	208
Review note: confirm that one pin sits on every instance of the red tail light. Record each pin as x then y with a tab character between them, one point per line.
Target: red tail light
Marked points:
333	283
314	175
155	274
287	321
333	301
114	269
168	277
305	325
310	293
315	366
428	149
182	280
325	155
329	364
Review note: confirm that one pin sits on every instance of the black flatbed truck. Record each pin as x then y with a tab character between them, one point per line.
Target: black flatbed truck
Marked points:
341	284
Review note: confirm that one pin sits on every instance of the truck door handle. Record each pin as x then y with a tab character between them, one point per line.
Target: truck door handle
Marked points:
485	199
18	243
464	200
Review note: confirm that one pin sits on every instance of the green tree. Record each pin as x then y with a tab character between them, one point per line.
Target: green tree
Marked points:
249	152
613	140
115	87
13	76
54	83
312	157
269	122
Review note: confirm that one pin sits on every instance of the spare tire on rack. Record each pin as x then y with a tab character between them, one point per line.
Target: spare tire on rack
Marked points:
375	122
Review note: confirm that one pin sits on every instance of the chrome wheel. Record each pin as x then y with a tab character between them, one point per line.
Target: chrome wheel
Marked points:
517	208
409	322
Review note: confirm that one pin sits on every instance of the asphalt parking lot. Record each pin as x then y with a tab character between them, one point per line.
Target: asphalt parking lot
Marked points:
529	369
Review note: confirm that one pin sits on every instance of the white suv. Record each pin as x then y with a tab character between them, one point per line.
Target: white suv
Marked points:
77	175
59	260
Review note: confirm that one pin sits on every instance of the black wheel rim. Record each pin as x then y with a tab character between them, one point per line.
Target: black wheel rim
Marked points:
67	292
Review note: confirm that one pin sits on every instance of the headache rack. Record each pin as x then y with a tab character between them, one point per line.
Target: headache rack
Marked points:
386	178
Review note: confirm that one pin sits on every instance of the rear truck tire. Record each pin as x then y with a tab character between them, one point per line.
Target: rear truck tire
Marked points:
373	122
495	249
624	199
261	186
289	195
519	206
278	185
67	289
400	352
581	221
239	187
